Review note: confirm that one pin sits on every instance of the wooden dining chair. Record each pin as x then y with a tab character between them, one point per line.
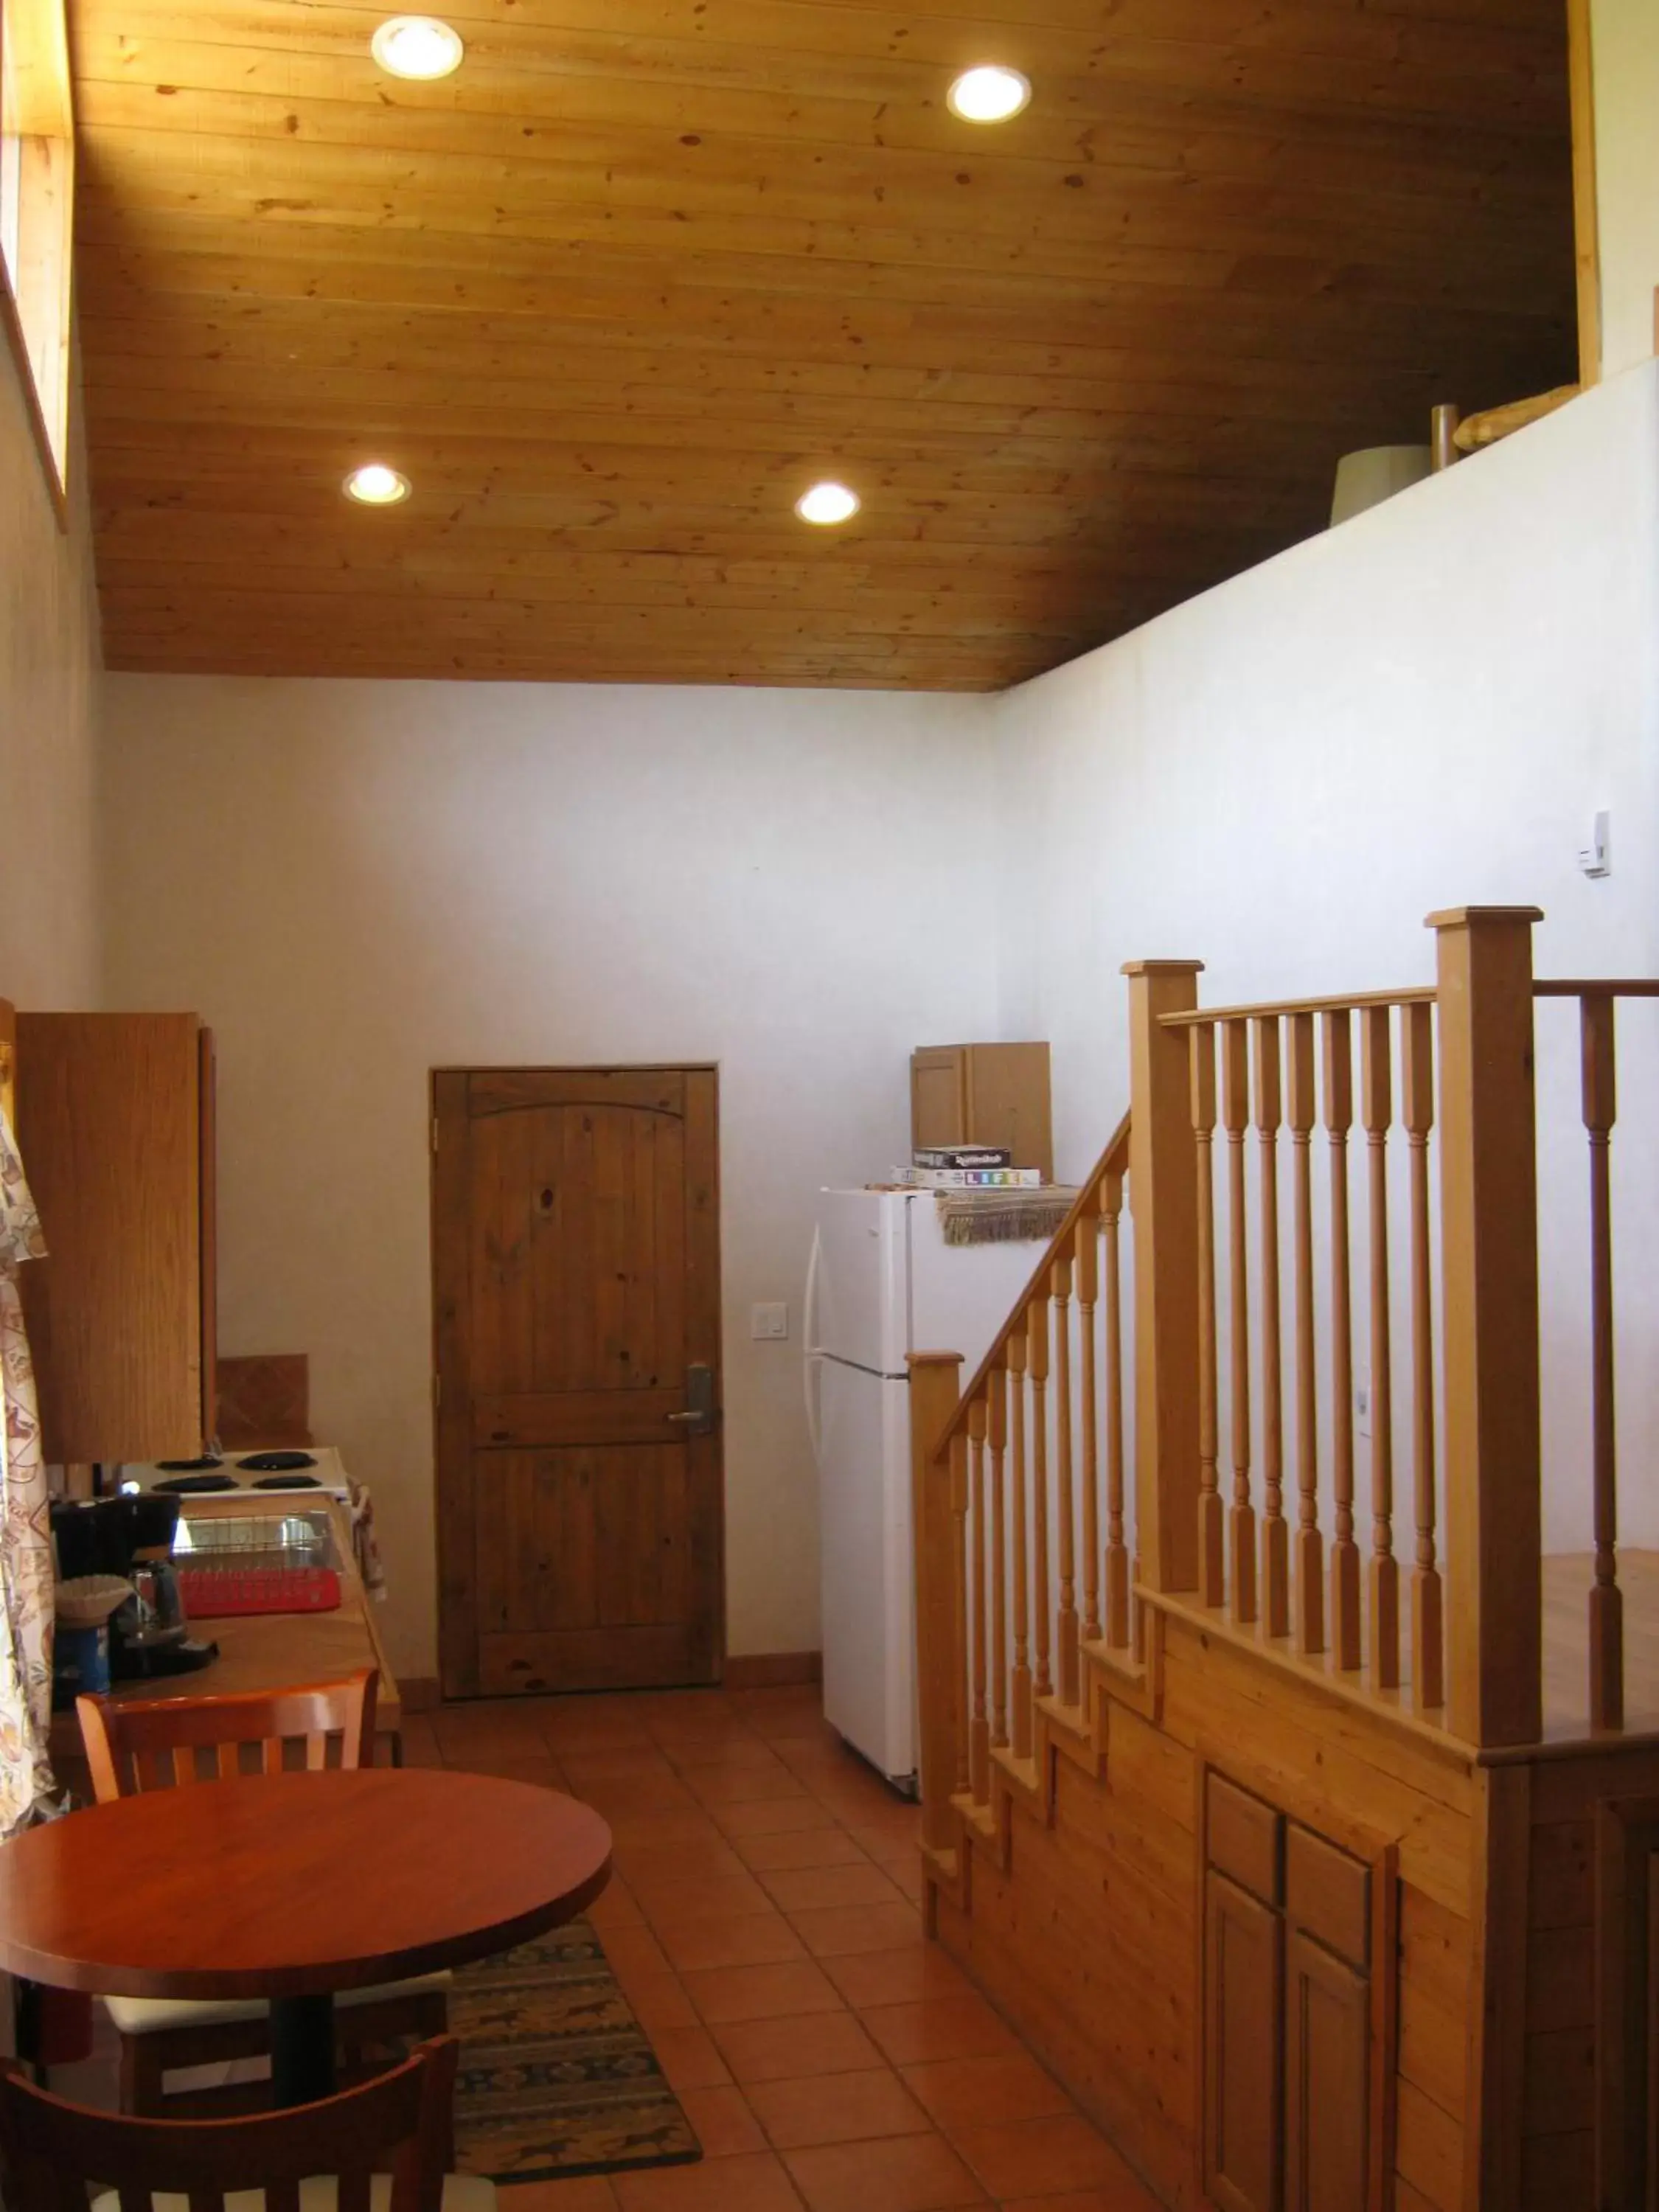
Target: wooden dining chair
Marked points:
166	1742
378	2148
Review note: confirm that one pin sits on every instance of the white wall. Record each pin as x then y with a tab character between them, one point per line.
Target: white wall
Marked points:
357	881
49	922
1420	709
1625	50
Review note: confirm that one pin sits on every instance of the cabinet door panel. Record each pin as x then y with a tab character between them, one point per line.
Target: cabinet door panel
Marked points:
1326	2080
1243	1990
939	1104
109	1126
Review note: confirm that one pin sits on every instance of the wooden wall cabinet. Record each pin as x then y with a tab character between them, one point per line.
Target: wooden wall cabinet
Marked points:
115	1123
1288	2012
984	1094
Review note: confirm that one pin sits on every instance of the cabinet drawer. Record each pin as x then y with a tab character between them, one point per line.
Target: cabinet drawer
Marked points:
1329	1894
1243	1837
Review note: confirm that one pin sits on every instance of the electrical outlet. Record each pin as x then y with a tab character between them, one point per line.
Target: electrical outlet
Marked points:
768	1322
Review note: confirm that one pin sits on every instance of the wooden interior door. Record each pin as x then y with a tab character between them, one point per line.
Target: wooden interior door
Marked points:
576	1263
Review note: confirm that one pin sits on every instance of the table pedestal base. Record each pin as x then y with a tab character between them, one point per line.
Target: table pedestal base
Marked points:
301	2050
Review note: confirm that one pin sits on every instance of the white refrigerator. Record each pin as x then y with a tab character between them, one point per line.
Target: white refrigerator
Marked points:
882	1282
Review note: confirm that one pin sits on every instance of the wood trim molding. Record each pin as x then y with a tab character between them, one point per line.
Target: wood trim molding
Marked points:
1586	221
771	1670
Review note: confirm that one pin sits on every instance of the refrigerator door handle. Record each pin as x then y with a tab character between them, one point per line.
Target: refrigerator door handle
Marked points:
809	1365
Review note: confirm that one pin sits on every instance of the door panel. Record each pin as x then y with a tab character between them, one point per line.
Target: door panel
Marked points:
576	1260
1327	2079
1243	1965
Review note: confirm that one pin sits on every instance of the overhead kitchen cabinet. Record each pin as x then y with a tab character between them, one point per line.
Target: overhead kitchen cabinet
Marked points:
115	1122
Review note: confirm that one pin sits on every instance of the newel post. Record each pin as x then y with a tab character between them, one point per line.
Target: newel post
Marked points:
1164	1206
1489	1263
941	1692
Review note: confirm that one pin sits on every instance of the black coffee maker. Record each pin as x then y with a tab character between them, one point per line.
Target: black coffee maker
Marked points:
132	1536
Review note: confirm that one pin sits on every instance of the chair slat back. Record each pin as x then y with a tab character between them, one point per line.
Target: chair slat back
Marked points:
155	1742
51	2151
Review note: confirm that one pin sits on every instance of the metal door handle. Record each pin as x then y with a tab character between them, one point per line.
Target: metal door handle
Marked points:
699	1415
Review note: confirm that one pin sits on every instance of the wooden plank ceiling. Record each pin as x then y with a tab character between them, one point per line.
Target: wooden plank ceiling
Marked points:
616	292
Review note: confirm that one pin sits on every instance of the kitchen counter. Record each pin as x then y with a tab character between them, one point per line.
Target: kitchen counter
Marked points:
267	1650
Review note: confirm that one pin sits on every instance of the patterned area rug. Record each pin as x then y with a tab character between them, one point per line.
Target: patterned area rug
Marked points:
556	2075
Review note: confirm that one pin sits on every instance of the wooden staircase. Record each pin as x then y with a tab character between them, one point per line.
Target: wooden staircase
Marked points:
1322	1879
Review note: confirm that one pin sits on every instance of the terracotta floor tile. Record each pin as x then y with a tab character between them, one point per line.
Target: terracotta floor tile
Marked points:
772	1816
901	2174
747	1939
757	2183
725	2126
840	1929
421	1746
1125	2194
901	1977
583	2192
739	1785
700	1896
805	1889
634	1950
966	2092
906	1876
513	1766
737	1747
961	2027
770	1992
616	1907
853	2107
638	1793
650	1862
652	1832
612	1763
658	1999
887	1828
798	1847
1038	2157
813	2044
689	2058
482	1724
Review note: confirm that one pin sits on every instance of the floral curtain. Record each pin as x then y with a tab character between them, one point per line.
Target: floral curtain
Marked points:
26	1780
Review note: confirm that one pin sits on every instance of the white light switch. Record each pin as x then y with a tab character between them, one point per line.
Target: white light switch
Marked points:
1595	858
768	1322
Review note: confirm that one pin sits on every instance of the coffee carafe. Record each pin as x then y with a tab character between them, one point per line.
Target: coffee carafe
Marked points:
132	1536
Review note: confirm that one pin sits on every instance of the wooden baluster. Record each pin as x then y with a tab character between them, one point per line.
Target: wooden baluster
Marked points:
1344	1553
1417	1109
979	1745
1065	1631
1021	1687
1606	1603
1037	1361
959	1605
1376	1111
1275	1535
996	1430
941	1685
1088	1292
1241	1516
1212	1550
1117	1555
1310	1548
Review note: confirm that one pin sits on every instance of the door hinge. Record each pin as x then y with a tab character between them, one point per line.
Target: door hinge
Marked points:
434	1133
437	1389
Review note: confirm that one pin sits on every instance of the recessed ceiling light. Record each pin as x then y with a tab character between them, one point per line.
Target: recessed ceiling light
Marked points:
376	485
990	94
827	503
418	46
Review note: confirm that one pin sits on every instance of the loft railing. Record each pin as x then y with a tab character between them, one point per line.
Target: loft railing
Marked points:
1248	1316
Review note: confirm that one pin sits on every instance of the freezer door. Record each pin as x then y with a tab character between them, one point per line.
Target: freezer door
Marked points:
858	1281
961	1295
869	1614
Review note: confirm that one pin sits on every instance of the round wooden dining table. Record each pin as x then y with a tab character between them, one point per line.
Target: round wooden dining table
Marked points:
292	1886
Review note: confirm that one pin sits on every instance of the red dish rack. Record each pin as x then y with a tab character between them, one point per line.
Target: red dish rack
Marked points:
216	1593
